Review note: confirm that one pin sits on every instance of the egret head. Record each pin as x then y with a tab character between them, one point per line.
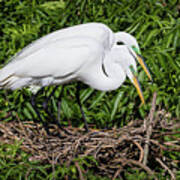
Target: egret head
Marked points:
122	55
128	39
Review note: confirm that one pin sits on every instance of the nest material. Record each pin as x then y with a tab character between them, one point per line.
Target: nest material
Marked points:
140	144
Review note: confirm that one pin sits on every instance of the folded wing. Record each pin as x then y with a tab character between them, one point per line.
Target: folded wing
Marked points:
55	63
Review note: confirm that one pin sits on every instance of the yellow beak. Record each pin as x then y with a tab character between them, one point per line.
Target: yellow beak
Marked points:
144	66
138	87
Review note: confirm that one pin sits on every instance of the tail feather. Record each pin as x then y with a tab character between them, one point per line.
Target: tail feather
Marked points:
6	83
9	80
5	78
14	82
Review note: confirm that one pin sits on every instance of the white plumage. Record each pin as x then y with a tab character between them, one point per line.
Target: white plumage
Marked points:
87	53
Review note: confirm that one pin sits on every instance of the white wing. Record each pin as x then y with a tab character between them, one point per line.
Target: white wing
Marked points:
98	31
56	63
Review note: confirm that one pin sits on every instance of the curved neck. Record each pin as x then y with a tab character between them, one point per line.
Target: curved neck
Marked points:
113	68
108	79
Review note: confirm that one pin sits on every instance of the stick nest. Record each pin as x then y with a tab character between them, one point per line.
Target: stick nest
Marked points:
138	145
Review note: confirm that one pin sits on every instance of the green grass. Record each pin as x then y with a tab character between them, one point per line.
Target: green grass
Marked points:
155	24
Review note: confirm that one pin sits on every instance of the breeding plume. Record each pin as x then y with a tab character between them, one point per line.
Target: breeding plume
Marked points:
88	53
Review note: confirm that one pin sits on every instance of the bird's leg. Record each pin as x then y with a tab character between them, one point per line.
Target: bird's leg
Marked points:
45	103
80	105
58	122
33	103
59	107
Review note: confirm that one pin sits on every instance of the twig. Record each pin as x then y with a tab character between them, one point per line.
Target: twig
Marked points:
166	134
117	173
166	168
53	166
79	170
137	163
146	168
149	129
22	128
141	151
177	149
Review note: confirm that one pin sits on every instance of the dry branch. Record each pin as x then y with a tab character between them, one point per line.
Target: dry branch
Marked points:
166	168
149	126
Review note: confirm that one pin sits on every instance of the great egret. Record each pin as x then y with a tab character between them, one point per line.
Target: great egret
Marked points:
75	58
98	31
88	53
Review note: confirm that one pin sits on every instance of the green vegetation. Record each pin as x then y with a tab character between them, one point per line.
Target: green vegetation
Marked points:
155	24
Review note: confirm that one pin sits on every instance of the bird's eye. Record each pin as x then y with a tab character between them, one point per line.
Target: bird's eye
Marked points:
120	43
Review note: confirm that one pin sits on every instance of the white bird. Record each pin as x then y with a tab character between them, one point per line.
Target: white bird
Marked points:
98	31
75	58
88	53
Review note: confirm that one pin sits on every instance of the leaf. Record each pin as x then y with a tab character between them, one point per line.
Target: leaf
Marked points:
152	34
116	103
53	5
98	98
86	94
27	113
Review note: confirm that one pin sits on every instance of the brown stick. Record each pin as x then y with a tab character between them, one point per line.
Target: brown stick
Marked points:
117	173
166	168
141	151
146	168
137	163
81	177
149	123
164	147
